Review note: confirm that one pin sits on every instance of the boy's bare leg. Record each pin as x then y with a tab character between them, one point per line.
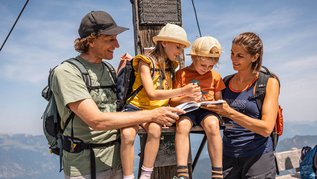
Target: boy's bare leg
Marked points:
212	129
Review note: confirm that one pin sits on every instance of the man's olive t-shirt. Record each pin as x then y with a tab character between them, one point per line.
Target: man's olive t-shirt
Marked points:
68	86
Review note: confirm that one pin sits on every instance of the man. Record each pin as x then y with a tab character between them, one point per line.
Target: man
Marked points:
91	143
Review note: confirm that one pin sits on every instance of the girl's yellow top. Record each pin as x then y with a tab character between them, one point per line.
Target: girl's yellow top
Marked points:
162	80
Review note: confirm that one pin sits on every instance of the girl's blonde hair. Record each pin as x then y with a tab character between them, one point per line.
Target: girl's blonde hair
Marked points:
160	56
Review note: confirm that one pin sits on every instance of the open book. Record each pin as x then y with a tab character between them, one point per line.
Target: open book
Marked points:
192	105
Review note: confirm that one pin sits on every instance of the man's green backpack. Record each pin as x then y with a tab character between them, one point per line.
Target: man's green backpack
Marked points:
51	118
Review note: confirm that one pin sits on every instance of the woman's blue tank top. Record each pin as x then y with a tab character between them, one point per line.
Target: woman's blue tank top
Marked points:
239	141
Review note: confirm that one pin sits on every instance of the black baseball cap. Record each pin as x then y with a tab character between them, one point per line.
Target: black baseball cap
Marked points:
99	22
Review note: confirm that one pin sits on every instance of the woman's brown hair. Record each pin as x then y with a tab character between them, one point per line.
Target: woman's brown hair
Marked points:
253	44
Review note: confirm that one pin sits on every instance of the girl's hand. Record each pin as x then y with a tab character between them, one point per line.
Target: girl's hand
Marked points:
191	90
196	96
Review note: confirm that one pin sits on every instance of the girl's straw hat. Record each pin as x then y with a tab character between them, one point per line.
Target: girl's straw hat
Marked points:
172	33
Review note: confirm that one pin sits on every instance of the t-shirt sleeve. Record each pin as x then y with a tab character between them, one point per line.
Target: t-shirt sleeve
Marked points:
219	84
137	59
68	85
177	82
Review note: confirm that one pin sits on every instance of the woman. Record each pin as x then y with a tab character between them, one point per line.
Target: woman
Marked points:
247	145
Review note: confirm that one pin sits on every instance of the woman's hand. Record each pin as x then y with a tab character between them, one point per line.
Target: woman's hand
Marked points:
222	109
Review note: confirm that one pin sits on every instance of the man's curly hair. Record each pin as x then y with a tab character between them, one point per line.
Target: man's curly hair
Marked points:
82	44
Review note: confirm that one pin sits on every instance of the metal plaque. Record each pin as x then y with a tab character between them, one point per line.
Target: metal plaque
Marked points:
160	12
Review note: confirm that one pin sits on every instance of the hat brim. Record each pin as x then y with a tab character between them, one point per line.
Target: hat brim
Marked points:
202	55
171	39
113	31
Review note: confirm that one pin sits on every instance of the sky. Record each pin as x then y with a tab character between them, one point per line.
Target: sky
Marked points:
44	36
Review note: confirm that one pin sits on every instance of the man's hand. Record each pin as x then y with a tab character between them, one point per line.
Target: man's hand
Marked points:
166	116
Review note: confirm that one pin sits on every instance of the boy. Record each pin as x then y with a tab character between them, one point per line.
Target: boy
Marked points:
205	53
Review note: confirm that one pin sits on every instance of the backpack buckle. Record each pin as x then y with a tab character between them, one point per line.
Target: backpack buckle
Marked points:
72	146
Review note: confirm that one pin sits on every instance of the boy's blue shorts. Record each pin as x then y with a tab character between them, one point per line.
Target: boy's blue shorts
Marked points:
129	108
199	115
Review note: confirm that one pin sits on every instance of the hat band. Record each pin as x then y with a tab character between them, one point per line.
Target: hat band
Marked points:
99	27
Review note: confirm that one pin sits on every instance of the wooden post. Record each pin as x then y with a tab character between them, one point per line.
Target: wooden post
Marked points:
165	164
149	16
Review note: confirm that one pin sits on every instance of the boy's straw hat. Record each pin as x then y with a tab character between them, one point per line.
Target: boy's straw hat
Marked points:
206	46
172	33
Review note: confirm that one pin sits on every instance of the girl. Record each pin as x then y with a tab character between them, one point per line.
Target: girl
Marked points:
156	92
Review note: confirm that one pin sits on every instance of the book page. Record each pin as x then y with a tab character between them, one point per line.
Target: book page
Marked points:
189	106
192	105
205	103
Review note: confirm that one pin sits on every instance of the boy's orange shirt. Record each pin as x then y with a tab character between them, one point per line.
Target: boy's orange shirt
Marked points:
210	82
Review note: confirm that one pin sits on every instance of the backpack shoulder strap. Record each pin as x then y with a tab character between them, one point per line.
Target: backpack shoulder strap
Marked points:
260	89
264	75
75	62
112	71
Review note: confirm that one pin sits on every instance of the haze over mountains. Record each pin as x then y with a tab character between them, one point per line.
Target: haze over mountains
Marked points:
26	156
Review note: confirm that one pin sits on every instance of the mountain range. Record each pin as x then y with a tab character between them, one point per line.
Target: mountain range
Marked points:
27	156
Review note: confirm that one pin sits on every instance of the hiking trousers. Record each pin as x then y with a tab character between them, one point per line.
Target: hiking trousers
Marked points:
109	174
254	167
